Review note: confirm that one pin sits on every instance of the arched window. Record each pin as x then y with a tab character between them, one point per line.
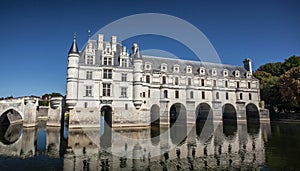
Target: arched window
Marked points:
202	82
165	93
226	83
164	80
191	94
147	78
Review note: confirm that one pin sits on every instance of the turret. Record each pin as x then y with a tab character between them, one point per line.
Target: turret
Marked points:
248	64
137	76
72	75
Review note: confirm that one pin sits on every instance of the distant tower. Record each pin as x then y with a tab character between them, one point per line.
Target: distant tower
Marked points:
72	75
248	64
137	76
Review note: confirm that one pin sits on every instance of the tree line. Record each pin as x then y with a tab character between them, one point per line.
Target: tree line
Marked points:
280	85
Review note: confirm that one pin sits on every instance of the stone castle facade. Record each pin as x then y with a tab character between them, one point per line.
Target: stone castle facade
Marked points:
136	90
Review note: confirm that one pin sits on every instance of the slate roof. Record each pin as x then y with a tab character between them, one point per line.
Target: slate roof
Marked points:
156	63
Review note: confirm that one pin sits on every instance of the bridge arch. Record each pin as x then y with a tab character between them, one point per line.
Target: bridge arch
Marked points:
154	114
229	119
177	119
177	113
204	122
10	116
252	115
106	125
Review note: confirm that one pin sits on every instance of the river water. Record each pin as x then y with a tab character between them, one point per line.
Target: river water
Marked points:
241	146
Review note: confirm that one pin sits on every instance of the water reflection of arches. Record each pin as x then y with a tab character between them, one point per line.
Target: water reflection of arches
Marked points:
204	122
229	121
178	129
106	124
252	114
9	134
10	116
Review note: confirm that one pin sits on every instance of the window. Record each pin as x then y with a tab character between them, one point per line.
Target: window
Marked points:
126	106
241	96
176	94
107	73
90	60
164	80
144	94
89	75
237	84
88	91
203	94
123	91
215	83
165	93
124	77
189	81
226	83
176	81
217	95
85	104
191	94
124	63
227	96
106	89
249	85
107	61
250	96
149	93
147	78
202	82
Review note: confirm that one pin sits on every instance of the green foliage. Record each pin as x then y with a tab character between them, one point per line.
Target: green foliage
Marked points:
53	94
293	61
272	68
280	84
290	88
43	103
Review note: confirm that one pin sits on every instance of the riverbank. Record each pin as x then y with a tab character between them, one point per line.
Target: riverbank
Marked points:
285	117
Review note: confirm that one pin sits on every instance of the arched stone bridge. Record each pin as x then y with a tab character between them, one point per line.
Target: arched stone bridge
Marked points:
16	110
25	109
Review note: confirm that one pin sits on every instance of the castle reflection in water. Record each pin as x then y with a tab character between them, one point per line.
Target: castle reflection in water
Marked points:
230	146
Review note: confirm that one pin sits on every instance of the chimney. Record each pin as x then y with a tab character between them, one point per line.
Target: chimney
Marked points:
114	43
248	64
100	42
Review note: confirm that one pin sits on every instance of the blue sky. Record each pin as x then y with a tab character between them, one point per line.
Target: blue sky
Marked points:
35	36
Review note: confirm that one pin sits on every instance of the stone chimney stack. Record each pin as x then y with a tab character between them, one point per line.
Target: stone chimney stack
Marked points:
248	64
114	43
100	42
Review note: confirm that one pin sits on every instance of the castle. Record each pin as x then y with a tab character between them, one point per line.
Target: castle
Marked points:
137	90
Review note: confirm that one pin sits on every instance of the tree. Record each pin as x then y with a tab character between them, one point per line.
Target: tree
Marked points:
272	68
269	88
289	86
293	61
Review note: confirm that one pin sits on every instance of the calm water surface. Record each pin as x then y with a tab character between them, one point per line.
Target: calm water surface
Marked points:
252	146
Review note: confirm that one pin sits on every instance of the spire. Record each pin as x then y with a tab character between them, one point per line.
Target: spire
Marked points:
135	51
74	48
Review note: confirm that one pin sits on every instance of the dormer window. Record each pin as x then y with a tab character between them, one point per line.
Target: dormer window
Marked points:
189	69
164	67
248	74
225	72
176	69
147	66
214	72
90	60
202	71
237	73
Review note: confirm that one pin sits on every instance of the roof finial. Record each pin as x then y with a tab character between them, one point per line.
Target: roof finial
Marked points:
89	33
75	34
